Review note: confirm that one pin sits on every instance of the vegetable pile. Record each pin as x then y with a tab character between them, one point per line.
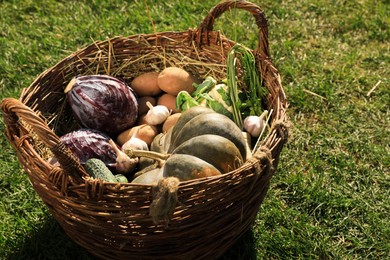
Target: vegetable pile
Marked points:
167	123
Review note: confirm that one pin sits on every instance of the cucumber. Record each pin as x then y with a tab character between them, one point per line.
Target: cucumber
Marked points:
121	178
98	170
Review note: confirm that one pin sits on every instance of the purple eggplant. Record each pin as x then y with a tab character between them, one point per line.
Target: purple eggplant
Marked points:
103	103
90	143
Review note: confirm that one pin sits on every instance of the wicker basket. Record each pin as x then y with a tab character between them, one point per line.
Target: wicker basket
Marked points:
113	221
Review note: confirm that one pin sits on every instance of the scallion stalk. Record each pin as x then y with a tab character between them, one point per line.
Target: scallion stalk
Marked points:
233	88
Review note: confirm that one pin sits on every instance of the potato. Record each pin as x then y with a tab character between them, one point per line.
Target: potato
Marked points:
142	107
146	84
141	120
169	101
172	80
171	121
145	133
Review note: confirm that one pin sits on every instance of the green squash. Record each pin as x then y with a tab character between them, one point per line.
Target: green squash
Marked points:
187	116
209	123
187	167
202	143
214	149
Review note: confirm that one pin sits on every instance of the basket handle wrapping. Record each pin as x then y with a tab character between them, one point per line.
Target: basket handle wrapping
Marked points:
14	111
207	24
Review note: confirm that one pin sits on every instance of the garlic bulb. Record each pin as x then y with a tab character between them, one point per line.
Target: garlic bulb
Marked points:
254	125
156	114
135	143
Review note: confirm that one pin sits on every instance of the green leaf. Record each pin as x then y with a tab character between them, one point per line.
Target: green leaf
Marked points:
204	87
184	101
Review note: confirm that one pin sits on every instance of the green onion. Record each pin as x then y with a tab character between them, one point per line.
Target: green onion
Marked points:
250	102
233	87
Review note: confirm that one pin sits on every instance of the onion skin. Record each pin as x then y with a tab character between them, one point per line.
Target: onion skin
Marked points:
89	143
103	103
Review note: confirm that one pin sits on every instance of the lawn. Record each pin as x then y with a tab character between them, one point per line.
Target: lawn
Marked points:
330	198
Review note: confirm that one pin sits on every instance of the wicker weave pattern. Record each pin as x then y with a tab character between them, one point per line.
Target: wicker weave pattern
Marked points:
110	220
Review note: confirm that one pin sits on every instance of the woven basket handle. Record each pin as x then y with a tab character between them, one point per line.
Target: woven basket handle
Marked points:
261	21
14	111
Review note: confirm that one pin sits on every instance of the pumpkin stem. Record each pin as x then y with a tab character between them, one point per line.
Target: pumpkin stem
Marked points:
160	157
156	164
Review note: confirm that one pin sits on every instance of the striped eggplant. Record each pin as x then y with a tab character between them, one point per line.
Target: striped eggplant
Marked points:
103	103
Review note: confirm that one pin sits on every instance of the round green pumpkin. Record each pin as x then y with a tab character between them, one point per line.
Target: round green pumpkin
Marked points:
187	167
209	123
214	149
202	143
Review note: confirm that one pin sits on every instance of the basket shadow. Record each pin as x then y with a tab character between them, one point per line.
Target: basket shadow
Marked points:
51	242
243	249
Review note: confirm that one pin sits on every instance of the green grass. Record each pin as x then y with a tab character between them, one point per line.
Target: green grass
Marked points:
330	197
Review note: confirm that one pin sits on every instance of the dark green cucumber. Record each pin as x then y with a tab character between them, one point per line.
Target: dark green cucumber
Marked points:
121	178
98	170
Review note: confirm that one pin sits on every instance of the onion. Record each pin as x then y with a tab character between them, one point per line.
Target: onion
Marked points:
103	103
89	143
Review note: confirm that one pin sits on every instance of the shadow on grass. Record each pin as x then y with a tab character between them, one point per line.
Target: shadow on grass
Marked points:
242	249
51	242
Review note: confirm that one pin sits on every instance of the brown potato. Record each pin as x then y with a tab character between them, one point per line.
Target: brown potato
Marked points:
142	107
172	80
146	84
170	122
145	133
141	120
169	101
